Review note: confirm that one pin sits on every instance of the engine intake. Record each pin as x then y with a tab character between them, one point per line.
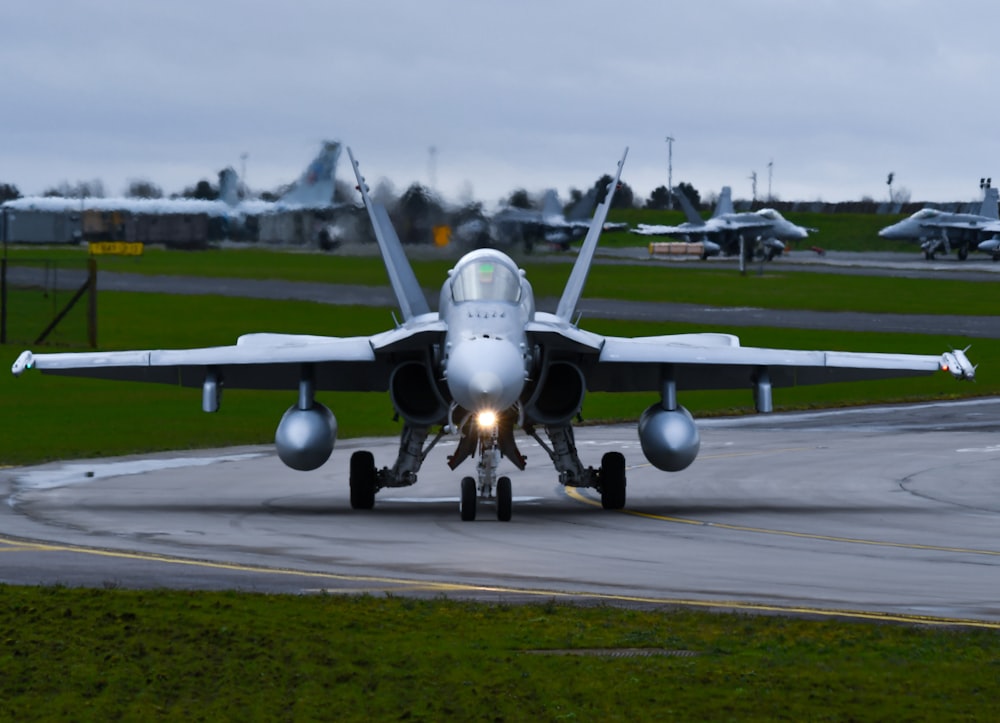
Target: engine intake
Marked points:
669	438
415	395
558	395
305	437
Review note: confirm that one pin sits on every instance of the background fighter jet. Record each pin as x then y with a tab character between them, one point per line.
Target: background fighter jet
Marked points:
511	226
943	231
485	362
753	234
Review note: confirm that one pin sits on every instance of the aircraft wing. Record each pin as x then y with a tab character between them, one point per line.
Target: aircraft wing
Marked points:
256	361
717	361
987	227
646	229
712	228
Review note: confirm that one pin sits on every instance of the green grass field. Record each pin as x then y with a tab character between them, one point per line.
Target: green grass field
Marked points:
121	655
159	655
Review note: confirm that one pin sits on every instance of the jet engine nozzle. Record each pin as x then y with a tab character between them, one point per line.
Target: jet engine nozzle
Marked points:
485	373
305	437
669	438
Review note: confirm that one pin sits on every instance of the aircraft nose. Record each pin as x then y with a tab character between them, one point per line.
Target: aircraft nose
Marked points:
485	373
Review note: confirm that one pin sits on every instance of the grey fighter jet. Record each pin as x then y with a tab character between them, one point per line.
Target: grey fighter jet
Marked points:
528	227
941	231
753	234
485	363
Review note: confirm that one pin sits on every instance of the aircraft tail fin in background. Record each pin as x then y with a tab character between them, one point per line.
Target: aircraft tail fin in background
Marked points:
989	207
578	276
725	203
690	213
410	296
550	204
584	208
229	187
316	184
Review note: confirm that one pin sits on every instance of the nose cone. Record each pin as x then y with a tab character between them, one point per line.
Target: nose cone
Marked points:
485	373
894	232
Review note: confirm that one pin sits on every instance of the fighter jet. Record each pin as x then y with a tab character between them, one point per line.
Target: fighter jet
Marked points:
487	362
757	234
941	231
512	226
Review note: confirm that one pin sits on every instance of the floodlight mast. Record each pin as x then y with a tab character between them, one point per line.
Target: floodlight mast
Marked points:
670	173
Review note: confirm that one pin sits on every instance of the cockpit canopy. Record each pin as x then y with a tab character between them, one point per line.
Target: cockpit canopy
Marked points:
486	279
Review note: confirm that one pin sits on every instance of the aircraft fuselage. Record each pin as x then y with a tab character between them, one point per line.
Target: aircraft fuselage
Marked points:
486	304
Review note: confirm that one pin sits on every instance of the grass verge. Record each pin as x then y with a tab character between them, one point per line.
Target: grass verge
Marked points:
156	655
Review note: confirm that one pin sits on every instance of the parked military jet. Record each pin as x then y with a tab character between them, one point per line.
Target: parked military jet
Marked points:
511	226
752	234
485	362
941	231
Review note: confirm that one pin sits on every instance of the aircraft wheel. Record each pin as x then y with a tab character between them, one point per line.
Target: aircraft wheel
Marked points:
963	253
929	255
468	504
363	480
613	481
505	499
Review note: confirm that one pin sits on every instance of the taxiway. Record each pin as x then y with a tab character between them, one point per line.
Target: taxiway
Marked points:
888	512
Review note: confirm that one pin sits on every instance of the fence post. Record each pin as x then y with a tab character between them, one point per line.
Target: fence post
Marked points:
92	301
3	300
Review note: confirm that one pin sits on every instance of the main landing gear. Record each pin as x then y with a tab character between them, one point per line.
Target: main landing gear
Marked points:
491	441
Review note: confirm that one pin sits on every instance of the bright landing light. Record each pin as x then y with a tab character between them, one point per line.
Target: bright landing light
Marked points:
486	419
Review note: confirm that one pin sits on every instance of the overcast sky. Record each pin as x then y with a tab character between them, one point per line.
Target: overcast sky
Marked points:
524	93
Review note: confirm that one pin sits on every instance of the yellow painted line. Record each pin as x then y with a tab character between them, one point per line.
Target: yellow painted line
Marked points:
371	583
574	493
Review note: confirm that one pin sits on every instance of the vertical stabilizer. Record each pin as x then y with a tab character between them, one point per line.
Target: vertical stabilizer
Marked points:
584	208
551	208
229	186
690	213
412	301
316	184
725	203
989	207
578	276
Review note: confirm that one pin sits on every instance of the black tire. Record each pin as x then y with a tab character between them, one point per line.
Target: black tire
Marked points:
929	255
468	502
613	481
363	480
505	499
963	253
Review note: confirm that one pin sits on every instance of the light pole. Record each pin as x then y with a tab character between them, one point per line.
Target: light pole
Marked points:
670	173
770	170
753	182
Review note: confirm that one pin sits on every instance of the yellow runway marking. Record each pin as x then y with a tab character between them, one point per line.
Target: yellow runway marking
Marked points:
368	584
575	494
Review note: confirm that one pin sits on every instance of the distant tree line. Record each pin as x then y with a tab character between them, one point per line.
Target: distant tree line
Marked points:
419	201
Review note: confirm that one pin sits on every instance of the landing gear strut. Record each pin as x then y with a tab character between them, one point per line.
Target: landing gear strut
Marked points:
492	441
609	480
366	479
